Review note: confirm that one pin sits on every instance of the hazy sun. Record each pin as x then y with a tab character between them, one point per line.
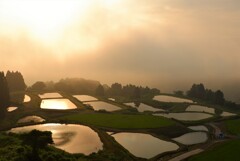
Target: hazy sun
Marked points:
43	18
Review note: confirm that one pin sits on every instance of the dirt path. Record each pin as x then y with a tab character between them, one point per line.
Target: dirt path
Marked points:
200	149
187	155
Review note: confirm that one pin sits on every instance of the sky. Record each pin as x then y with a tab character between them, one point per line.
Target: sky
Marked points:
168	44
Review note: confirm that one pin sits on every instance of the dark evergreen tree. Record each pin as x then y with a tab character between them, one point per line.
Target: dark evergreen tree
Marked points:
219	97
15	81
38	86
116	89
4	95
100	91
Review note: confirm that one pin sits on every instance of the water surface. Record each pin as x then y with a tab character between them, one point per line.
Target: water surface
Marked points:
143	107
198	128
164	98
57	104
192	138
84	98
111	99
11	109
199	108
50	95
186	116
144	145
27	119
99	105
71	138
26	98
225	114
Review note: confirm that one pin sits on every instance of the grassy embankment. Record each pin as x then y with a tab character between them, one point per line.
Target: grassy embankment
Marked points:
225	152
120	121
233	126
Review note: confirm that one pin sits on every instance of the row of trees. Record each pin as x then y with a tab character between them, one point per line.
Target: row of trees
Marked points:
4	95
130	91
216	97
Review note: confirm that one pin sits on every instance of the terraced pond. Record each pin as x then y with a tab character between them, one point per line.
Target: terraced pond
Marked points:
186	116
198	128
85	98
57	104
99	105
198	108
144	145
192	138
11	109
143	107
71	138
164	98
50	95
27	119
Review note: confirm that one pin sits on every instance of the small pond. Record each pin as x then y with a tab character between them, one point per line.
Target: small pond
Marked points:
57	104
50	95
192	138
111	99
186	116
164	98
27	98
144	145
27	119
71	138
143	107
11	109
225	114
199	108
84	98
198	128
99	105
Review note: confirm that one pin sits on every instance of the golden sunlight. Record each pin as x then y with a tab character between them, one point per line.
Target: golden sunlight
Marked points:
43	19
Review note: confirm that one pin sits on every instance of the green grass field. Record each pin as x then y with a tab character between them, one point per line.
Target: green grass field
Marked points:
120	121
233	126
228	151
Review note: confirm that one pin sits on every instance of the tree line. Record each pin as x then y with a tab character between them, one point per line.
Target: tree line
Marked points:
198	91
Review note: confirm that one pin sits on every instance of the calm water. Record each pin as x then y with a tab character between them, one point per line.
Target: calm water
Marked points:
198	128
11	109
57	104
27	98
84	98
143	107
50	95
192	138
186	116
71	138
225	114
111	99
99	105
163	98
199	108
27	119
144	145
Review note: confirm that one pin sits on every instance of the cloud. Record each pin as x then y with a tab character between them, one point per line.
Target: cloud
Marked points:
168	44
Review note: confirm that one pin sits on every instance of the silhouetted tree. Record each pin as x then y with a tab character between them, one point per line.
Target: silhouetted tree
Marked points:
179	93
38	86
219	97
37	140
100	91
116	89
197	91
4	95
15	81
137	93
